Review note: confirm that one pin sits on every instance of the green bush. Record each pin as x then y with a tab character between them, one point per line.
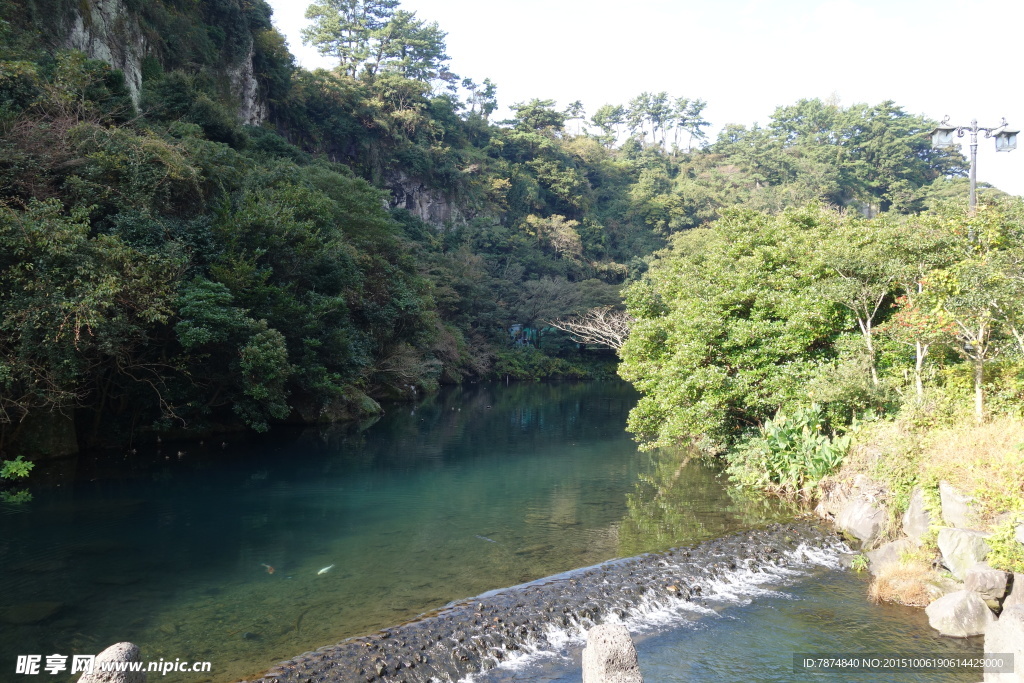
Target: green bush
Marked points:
791	454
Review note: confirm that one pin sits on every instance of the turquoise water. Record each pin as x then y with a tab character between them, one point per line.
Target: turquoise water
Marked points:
477	488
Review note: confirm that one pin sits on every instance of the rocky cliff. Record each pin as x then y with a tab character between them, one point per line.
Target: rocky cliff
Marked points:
108	30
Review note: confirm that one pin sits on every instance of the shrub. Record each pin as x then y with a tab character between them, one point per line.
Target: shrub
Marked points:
790	454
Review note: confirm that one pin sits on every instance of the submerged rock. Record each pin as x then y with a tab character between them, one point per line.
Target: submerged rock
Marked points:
961	614
30	612
610	656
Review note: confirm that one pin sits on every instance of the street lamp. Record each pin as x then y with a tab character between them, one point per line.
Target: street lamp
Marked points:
1006	141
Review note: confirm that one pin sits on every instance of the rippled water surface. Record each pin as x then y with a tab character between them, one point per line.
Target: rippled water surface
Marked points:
474	489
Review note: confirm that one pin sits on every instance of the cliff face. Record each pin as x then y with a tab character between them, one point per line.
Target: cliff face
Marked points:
108	30
426	203
105	30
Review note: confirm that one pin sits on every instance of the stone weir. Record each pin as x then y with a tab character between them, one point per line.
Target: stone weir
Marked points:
480	633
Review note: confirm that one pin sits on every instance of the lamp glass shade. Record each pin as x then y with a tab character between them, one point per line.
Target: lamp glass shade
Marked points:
942	137
1006	141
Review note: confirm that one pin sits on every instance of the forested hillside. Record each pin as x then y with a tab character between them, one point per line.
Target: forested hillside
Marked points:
194	233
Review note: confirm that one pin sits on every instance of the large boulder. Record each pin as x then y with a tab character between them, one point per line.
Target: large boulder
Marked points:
1006	636
962	549
961	614
888	554
118	652
609	656
989	583
958	510
916	520
1016	592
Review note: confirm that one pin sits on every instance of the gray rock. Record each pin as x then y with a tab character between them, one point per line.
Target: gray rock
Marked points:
942	585
958	510
862	519
118	652
1016	594
1006	636
989	583
962	549
609	656
916	520
888	554
1019	535
961	614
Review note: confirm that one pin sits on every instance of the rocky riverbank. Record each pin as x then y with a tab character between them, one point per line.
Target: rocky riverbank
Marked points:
480	633
938	555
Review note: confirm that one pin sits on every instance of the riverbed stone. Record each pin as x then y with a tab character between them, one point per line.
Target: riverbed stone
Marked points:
1006	636
961	614
916	520
888	554
962	549
987	582
610	656
118	652
958	510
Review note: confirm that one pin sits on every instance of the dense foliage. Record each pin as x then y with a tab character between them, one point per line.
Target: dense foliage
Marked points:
745	326
165	266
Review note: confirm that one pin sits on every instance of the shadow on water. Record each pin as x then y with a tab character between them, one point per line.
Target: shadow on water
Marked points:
470	490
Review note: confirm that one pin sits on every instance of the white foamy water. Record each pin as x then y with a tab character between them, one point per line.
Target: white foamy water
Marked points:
655	611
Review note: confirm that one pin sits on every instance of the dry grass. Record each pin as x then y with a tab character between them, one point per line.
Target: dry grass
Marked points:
904	583
984	461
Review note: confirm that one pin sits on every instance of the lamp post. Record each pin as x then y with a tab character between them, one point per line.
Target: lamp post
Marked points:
1006	141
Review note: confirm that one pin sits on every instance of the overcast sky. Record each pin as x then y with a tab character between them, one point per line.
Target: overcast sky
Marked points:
743	57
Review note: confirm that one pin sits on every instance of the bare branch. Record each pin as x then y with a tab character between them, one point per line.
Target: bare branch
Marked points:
604	326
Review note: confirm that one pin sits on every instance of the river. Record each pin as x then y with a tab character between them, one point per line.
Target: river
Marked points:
245	553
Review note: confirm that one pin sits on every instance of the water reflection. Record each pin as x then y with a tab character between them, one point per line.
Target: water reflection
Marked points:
476	488
678	500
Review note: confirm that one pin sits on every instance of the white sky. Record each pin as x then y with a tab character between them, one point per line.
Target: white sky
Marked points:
743	57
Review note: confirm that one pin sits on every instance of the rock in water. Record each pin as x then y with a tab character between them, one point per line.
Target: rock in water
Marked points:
862	519
30	612
609	656
961	614
1006	636
118	652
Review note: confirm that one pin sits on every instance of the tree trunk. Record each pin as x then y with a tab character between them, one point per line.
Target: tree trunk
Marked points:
979	396
922	351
